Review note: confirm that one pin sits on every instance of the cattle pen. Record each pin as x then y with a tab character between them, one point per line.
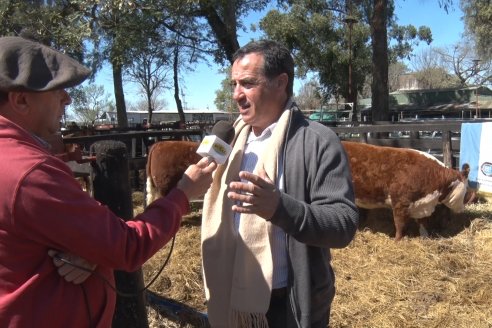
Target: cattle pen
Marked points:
439	138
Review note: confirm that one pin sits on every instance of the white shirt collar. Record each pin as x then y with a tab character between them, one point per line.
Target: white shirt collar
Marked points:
269	129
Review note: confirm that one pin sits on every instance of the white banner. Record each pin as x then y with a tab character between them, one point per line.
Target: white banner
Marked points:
484	177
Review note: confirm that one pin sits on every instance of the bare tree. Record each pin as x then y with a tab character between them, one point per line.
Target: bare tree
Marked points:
89	103
149	71
462	60
430	71
395	70
141	104
309	96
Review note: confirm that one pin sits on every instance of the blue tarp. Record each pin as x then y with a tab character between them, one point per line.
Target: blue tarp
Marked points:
476	150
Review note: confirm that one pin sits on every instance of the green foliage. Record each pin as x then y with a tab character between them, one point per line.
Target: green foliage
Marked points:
478	21
223	96
61	24
325	48
406	37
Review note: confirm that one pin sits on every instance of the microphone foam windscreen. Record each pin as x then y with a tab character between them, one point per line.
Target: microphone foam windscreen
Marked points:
224	131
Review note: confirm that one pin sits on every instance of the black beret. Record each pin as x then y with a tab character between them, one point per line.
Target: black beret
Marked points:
30	66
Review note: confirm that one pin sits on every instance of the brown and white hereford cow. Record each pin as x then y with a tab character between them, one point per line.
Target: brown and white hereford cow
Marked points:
408	181
166	163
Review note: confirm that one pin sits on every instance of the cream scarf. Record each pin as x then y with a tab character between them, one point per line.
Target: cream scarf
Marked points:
238	267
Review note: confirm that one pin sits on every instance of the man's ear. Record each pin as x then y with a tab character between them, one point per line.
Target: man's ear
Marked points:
282	80
18	101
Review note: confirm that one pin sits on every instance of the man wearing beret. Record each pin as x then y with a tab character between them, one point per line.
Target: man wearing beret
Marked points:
43	208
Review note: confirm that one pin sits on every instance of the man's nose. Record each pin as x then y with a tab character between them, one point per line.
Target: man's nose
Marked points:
237	92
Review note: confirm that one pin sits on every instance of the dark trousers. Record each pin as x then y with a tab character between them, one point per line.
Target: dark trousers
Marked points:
279	312
280	315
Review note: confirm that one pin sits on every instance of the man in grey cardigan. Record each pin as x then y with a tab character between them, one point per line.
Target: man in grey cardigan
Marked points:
274	210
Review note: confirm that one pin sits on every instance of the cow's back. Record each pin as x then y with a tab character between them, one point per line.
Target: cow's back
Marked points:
381	174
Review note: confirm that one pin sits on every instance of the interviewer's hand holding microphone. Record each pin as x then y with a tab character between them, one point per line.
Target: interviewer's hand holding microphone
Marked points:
197	178
214	149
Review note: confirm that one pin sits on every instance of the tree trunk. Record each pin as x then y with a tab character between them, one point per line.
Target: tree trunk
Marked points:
150	110
119	96
179	105
379	87
224	30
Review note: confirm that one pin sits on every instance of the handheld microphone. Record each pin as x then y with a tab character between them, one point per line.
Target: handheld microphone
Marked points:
217	145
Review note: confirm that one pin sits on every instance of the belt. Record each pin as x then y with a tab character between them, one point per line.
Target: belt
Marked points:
279	292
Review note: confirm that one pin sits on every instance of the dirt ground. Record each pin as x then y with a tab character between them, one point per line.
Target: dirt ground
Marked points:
441	281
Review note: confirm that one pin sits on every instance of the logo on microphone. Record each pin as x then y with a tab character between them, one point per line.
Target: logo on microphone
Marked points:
214	147
219	149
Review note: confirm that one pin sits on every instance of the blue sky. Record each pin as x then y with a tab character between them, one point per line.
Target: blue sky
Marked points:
200	86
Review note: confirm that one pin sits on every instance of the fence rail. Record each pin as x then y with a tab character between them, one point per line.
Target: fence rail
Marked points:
441	139
137	142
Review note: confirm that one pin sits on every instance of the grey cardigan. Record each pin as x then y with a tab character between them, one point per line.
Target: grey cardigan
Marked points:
317	211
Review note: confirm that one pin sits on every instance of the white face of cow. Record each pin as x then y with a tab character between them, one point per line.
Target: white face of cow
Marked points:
455	198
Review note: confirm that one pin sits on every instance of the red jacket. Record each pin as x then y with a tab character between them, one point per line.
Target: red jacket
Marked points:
43	207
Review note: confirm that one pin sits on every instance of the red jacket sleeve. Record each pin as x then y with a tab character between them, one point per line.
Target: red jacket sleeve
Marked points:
50	206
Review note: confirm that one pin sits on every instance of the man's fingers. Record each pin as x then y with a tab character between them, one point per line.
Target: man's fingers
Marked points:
81	278
258	180
249	176
57	258
244	208
210	167
203	163
245	198
207	164
76	276
72	268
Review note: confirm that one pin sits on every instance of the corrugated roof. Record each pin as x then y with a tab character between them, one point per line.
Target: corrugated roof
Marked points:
439	100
